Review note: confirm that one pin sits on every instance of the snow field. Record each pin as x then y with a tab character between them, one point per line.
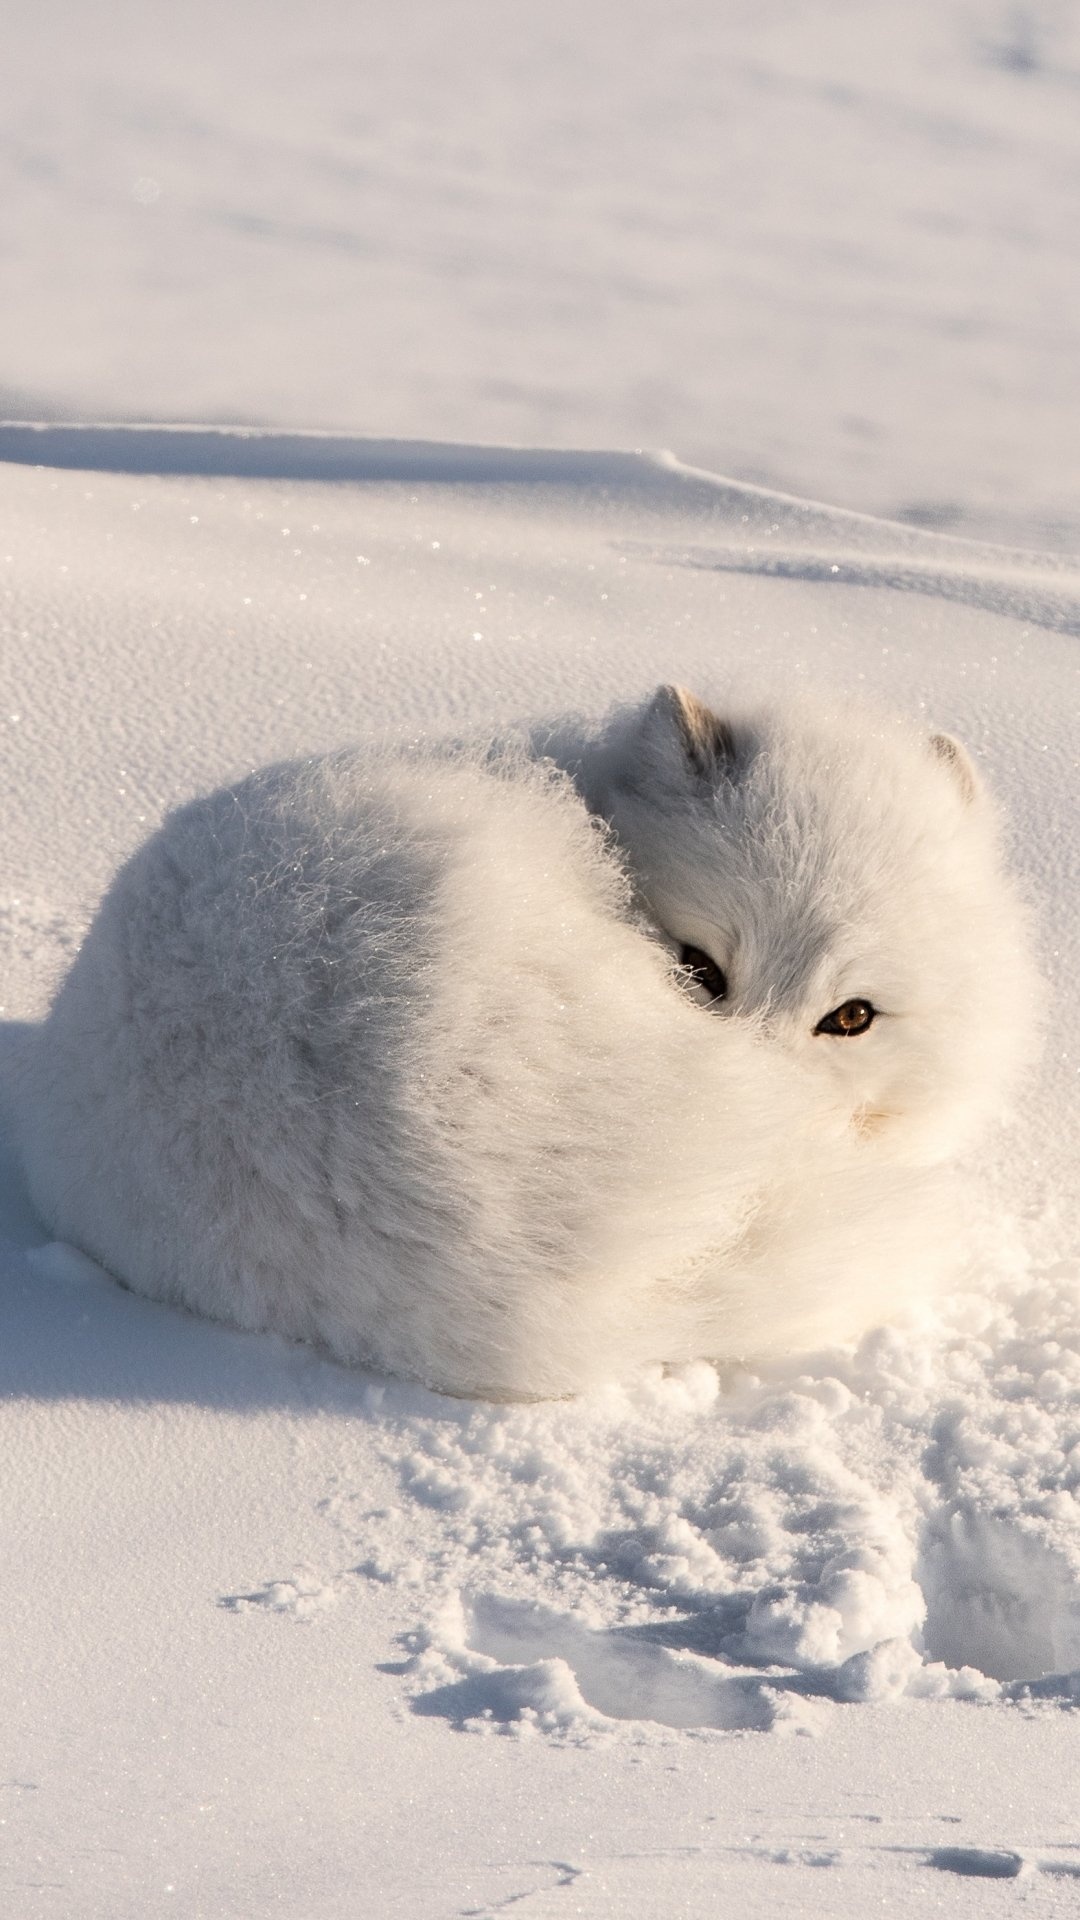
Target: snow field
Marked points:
831	250
275	1630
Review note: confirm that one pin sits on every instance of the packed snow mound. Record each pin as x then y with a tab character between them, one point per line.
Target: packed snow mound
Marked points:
316	1575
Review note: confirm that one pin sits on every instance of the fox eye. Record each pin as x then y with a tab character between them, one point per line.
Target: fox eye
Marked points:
853	1017
704	972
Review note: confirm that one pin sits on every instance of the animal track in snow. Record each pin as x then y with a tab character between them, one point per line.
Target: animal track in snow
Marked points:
303	1595
620	1675
988	1863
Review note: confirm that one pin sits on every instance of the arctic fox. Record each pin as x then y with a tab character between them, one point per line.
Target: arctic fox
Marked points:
414	1056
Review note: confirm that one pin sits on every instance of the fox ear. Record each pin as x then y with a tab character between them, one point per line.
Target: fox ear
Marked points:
960	765
704	740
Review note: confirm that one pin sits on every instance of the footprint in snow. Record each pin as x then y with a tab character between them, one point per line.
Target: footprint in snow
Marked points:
303	1595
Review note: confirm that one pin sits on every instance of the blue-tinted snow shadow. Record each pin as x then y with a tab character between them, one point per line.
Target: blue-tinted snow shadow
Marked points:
1039	589
259	453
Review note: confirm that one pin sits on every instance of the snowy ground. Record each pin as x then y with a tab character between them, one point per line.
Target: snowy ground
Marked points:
282	1638
829	248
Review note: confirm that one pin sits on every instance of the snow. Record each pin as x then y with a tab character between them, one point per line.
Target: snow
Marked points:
830	249
281	1637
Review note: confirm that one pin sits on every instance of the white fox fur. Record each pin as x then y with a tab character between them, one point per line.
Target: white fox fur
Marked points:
378	1051
821	856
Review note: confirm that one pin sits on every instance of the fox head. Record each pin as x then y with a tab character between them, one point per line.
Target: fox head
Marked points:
836	879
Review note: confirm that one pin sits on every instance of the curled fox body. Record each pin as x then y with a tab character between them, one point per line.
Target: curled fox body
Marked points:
417	1056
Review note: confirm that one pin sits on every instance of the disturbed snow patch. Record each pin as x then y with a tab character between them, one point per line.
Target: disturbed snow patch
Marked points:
702	1555
304	1594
